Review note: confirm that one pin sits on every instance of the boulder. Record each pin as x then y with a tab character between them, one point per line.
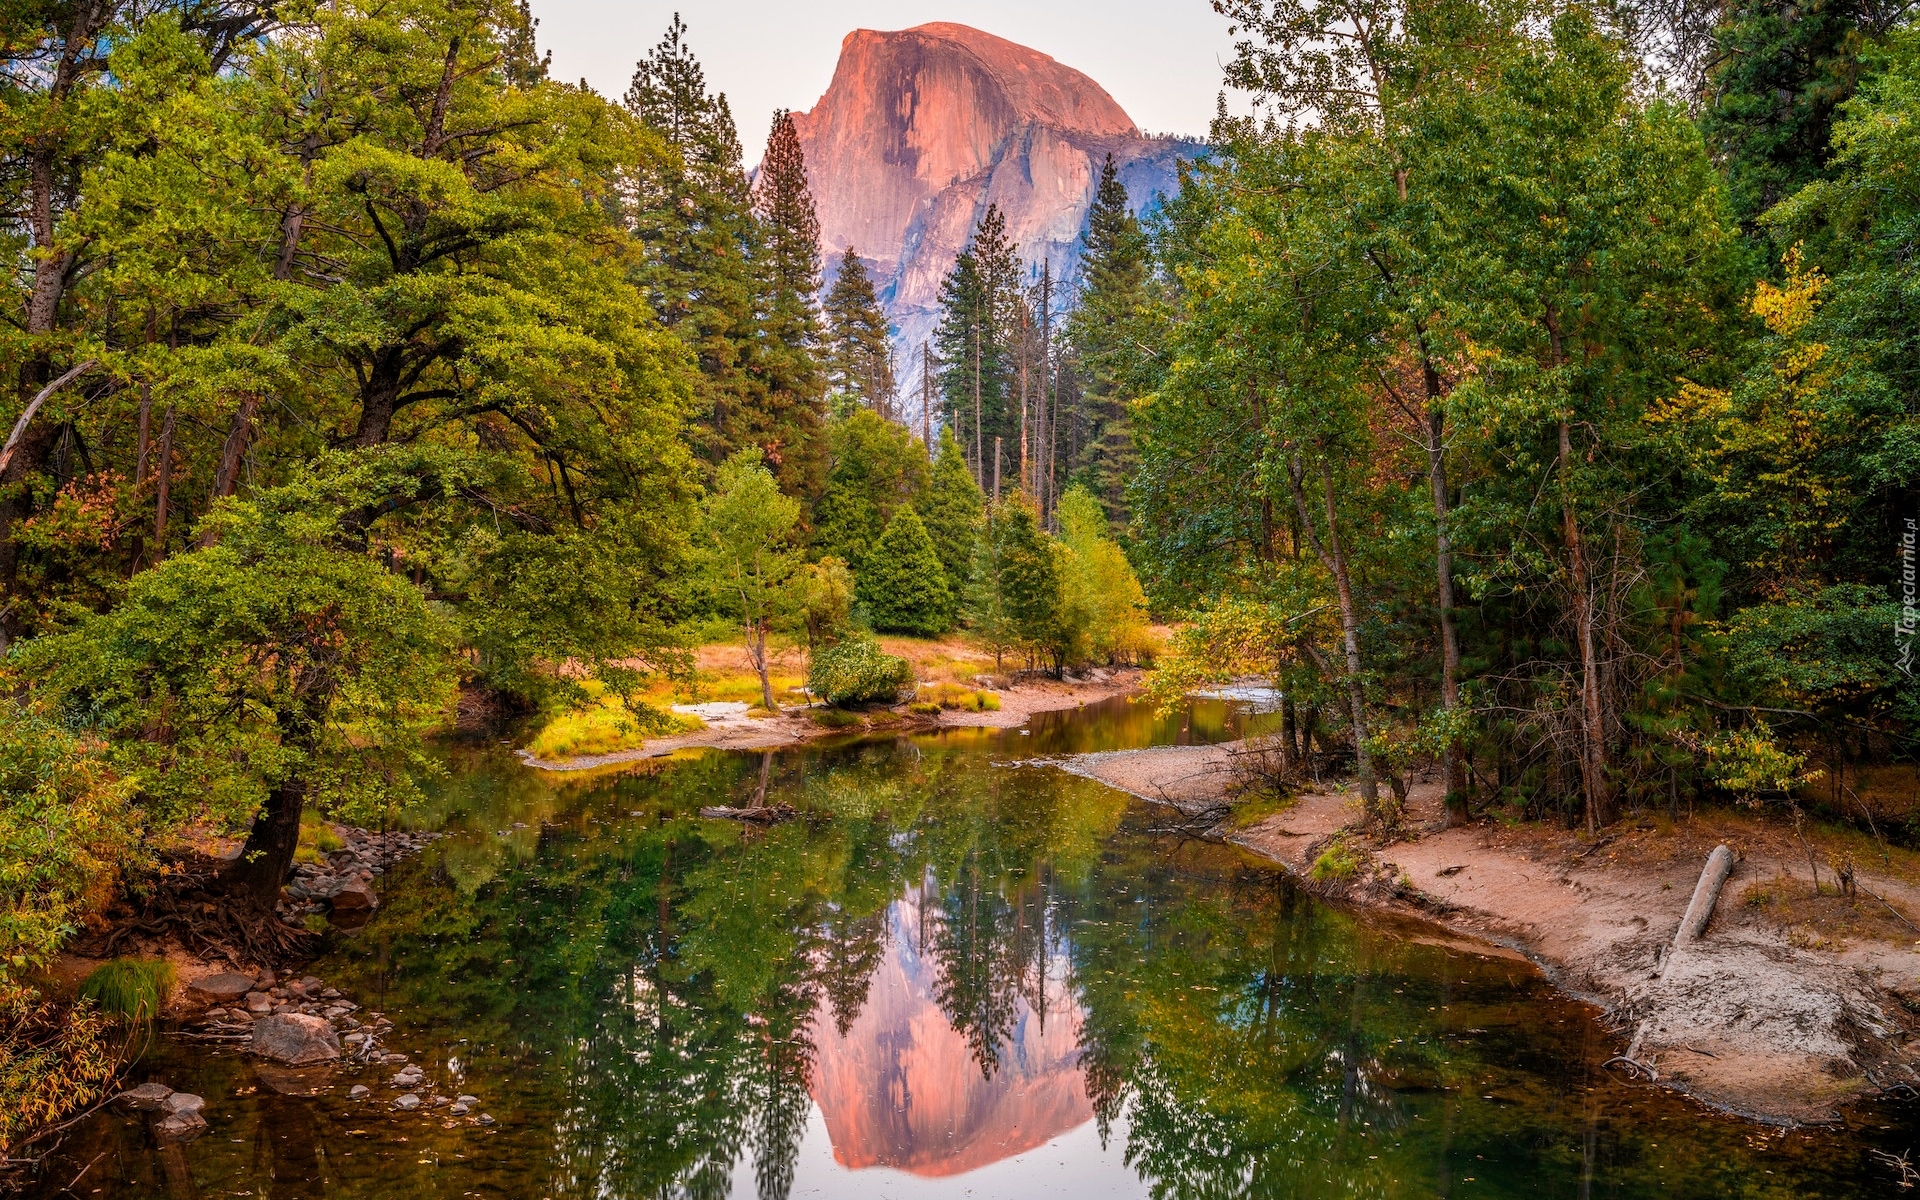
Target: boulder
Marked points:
407	1103
220	989
148	1097
355	895
259	1003
295	1039
180	1117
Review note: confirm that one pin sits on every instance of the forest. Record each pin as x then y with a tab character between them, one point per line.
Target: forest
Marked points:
1525	388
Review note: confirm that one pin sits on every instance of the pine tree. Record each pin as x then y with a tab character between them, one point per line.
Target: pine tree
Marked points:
1112	292
694	220
903	584
789	275
858	358
979	327
1015	603
952	507
1783	70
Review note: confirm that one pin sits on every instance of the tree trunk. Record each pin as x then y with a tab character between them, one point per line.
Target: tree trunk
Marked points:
1453	758
163	485
757	647
378	400
232	454
1593	749
1333	556
268	854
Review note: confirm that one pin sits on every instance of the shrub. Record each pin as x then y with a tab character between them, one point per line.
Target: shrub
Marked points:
857	671
1336	863
68	827
133	989
54	1060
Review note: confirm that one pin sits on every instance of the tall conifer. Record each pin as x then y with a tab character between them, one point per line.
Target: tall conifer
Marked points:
859	362
977	342
1112	291
789	275
694	220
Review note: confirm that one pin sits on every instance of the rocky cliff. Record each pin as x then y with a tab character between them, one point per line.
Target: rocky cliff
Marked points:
922	128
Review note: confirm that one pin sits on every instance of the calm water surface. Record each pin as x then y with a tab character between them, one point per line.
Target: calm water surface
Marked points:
954	977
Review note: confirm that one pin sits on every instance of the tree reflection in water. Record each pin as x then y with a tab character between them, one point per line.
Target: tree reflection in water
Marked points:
949	962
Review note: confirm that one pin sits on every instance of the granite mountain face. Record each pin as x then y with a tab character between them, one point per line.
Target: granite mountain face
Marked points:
922	128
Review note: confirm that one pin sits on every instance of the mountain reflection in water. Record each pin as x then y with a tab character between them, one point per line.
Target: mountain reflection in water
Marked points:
946	980
901	1087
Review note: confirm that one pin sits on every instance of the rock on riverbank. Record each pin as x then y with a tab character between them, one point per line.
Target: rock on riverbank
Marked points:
1759	1017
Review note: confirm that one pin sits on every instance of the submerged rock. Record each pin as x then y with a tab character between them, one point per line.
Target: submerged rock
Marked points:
296	1039
407	1103
180	1117
221	988
148	1097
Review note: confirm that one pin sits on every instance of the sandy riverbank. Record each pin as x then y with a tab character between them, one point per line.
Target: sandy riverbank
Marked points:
739	731
1789	1006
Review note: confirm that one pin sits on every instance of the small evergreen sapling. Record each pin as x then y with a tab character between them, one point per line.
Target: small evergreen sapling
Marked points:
904	586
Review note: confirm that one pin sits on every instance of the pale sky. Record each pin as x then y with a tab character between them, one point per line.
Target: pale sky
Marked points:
1161	59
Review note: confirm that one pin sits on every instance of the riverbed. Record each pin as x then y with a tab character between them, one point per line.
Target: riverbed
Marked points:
953	975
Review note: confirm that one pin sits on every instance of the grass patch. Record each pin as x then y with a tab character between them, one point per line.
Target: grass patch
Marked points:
606	726
132	989
1257	806
727	686
1337	863
317	840
834	718
954	696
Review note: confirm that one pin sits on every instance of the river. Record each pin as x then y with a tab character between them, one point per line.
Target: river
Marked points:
953	976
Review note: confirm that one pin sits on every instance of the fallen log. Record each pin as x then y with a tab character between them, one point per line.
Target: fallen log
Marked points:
1706	893
763	814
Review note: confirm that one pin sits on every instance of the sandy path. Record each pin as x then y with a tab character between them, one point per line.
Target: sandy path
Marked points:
1755	1018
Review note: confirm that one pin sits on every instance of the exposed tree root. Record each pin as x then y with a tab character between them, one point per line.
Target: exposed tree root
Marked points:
192	907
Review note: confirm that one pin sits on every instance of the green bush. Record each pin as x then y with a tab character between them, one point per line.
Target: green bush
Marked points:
857	671
133	989
1336	863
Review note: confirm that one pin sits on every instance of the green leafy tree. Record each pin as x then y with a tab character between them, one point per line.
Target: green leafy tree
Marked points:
748	532
859	358
1016	599
875	468
1103	611
278	668
903	585
953	510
